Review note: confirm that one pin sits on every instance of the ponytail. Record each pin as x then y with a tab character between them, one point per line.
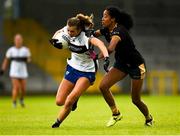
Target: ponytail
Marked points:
81	21
87	21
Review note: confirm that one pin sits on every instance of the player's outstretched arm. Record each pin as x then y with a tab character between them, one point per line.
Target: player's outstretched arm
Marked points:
96	42
97	33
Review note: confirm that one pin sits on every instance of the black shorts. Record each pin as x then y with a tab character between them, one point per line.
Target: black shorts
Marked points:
137	72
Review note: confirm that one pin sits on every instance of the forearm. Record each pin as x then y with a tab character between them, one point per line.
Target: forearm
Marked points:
4	64
101	56
104	53
101	46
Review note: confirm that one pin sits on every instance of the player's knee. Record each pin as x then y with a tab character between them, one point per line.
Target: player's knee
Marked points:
136	101
16	88
103	87
69	102
59	102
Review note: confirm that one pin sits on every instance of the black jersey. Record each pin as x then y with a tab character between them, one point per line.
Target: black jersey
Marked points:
125	51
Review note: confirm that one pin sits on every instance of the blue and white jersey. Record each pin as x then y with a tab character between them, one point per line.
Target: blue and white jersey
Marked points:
80	53
18	69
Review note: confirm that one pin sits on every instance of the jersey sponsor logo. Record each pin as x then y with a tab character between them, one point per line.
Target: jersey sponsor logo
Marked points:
77	49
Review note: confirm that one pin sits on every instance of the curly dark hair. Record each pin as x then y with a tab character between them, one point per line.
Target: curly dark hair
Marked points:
121	17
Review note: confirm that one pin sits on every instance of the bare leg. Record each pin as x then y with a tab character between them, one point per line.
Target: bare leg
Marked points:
81	85
23	88
136	97
113	76
23	91
15	90
64	89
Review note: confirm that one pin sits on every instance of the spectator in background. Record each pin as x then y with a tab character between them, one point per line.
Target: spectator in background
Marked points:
17	56
128	61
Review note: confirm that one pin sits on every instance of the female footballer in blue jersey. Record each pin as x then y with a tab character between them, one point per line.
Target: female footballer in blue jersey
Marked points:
80	71
128	61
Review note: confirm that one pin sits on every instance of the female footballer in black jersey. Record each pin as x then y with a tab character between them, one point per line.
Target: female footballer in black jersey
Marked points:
128	61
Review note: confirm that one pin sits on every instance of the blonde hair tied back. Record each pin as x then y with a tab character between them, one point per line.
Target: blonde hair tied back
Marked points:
86	20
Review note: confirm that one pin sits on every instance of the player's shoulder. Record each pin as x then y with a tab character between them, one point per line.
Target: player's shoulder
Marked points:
11	48
24	49
83	37
82	34
119	30
64	30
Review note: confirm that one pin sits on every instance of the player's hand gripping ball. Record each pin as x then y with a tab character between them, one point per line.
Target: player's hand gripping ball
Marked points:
60	40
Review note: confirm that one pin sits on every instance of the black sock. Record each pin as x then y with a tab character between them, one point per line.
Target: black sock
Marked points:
74	106
14	102
56	124
58	121
116	114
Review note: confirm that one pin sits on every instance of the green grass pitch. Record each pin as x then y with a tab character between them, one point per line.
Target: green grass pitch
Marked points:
90	117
